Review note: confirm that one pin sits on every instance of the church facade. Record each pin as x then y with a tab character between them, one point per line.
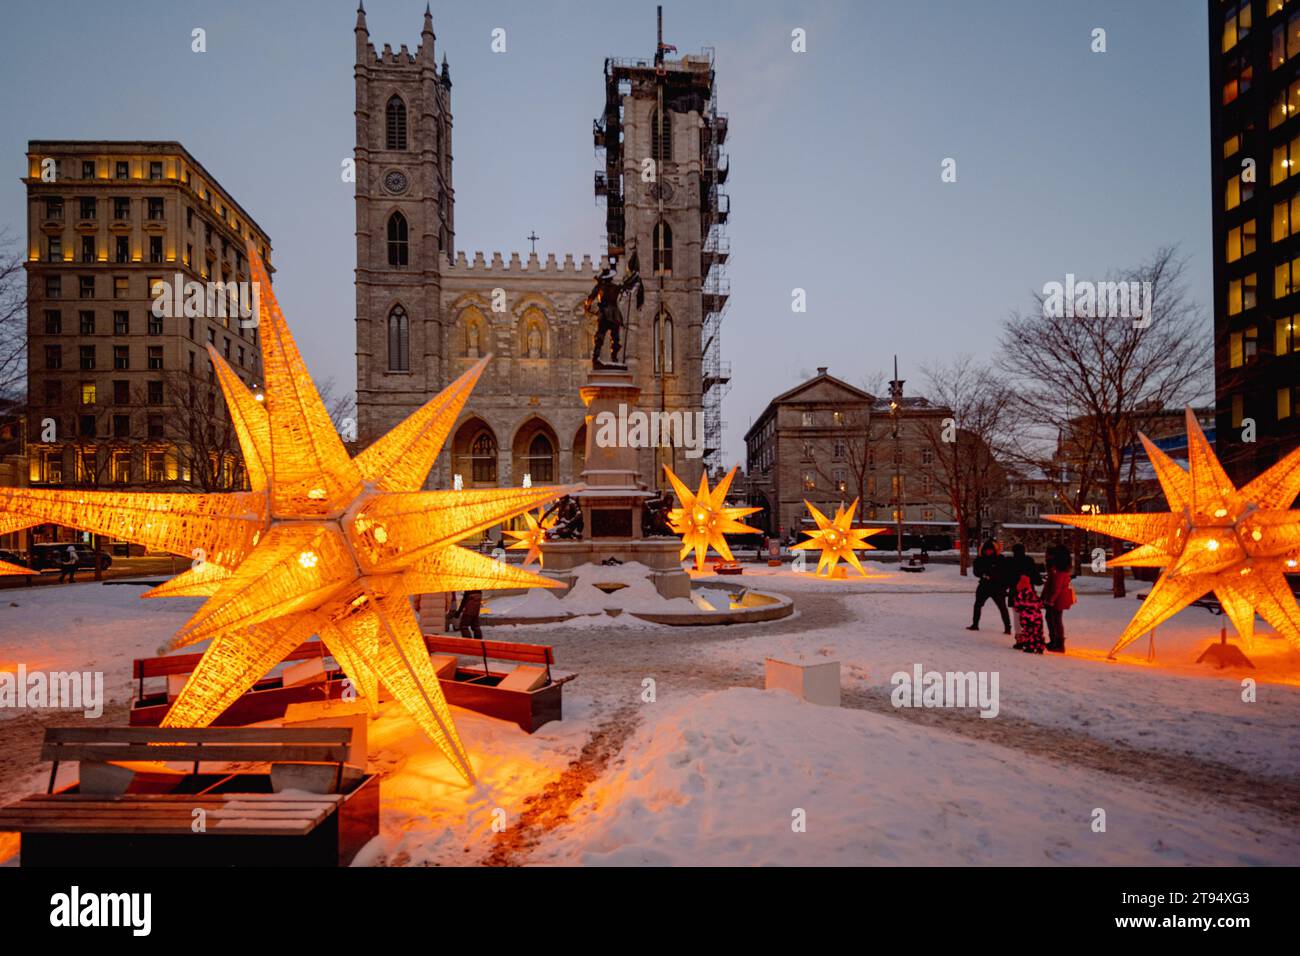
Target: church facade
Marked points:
426	311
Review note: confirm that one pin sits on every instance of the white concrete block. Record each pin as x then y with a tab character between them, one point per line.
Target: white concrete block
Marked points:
816	682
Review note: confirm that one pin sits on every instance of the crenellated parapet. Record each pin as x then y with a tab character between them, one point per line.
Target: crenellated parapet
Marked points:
517	264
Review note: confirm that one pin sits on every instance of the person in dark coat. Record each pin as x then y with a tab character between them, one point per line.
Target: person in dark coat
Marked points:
1019	565
1057	596
470	605
990	568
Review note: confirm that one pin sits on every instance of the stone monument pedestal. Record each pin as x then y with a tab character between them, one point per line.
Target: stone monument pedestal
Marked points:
614	496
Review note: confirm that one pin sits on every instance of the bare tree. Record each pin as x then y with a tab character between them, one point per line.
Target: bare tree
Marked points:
341	406
847	450
1089	383
966	447
197	425
13	321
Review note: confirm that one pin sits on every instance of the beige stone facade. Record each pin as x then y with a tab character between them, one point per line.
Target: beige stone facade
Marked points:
827	442
114	392
426	310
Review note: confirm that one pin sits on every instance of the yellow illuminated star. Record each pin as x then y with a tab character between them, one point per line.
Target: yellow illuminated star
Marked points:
703	519
1236	543
322	544
532	536
837	538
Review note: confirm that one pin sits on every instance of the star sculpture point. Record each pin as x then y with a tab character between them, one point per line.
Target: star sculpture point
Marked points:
531	536
323	543
1237	543
837	538
704	520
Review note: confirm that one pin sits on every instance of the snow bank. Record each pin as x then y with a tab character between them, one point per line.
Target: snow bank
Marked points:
720	779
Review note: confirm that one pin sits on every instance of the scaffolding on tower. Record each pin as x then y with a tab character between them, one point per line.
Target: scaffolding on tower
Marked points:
689	84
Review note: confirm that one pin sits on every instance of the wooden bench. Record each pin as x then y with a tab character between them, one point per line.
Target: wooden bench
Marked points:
156	816
269	698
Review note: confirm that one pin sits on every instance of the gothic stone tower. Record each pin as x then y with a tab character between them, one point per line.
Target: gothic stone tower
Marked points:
664	167
427	311
405	225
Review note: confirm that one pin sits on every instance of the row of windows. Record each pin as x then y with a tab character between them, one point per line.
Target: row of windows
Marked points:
87	357
121	169
119	465
88	207
840	483
840	449
1243	346
87	322
90	249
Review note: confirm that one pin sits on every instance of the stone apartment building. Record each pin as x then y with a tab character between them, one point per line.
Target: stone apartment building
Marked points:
118	397
426	310
828	442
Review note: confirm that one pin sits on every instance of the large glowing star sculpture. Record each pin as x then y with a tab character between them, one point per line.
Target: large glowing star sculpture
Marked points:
322	544
1236	543
837	538
704	519
532	536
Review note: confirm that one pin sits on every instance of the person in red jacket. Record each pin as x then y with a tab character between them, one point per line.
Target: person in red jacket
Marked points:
1057	595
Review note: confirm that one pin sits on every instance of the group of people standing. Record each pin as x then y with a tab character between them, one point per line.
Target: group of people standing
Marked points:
1015	581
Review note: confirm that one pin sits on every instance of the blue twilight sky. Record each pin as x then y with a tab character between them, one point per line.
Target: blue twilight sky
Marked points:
1067	160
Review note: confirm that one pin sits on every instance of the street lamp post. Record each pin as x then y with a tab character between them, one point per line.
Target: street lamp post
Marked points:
895	403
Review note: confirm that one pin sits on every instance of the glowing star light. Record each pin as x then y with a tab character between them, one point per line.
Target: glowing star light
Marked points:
837	538
322	544
703	519
532	536
1236	543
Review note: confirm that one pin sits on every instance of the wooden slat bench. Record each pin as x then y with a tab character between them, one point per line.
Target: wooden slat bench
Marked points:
474	688
155	822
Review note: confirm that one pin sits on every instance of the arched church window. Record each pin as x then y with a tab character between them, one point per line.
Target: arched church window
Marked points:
398	247
541	458
483	458
663	249
399	340
395	116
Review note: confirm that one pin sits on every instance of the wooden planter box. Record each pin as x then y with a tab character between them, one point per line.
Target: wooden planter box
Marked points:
469	688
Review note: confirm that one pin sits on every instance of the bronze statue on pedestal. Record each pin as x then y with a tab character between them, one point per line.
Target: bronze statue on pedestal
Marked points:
603	302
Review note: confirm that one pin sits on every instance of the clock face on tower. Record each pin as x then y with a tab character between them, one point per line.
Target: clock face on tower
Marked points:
395	181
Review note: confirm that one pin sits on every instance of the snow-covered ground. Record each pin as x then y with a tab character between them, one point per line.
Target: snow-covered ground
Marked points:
711	769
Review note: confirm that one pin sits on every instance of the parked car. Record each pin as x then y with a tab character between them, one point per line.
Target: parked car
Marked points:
46	555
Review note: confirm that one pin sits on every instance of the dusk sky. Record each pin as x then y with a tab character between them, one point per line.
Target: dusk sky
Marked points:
1067	160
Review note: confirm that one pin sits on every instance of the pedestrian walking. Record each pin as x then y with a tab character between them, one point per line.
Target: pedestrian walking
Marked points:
990	568
68	569
471	603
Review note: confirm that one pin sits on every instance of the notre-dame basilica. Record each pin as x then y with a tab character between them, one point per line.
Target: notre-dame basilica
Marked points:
426	311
